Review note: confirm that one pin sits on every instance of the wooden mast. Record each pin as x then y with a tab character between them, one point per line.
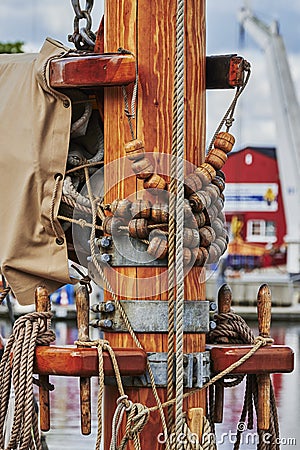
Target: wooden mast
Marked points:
147	29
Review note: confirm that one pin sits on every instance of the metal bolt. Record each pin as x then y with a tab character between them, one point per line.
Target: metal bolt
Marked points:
212	325
102	323
103	307
105	257
213	306
104	242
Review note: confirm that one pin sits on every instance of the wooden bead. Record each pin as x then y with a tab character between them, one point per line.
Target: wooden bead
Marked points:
156	232
199	201
207	236
213	191
160	212
200	256
224	141
155	182
140	209
158	247
191	238
143	168
111	225
217	158
221	243
219	204
214	254
135	150
212	213
218	226
187	256
220	173
221	216
192	183
121	208
206	172
219	182
138	228
189	218
200	218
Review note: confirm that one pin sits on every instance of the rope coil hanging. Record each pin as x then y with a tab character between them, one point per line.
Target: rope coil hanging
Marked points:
28	331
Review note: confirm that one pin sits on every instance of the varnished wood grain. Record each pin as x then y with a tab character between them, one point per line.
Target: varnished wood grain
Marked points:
263	381
82	312
148	30
270	359
42	304
73	361
92	71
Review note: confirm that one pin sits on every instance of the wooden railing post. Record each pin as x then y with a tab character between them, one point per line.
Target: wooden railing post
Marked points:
263	380
82	308
42	304
224	306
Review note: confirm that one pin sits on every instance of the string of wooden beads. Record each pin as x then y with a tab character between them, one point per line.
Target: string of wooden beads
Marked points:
142	166
205	237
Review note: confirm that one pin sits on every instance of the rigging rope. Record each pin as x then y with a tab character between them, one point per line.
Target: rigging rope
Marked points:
179	121
28	331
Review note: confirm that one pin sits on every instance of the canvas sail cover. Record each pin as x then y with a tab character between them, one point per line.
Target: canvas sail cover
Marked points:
35	129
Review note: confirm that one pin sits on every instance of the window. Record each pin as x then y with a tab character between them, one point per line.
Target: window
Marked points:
261	231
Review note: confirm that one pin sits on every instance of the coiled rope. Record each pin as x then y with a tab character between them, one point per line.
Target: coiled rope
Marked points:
232	329
16	368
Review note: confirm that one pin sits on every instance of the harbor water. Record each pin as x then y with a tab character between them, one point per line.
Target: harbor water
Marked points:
65	412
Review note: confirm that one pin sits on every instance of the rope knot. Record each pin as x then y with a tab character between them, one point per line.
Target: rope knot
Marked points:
263	340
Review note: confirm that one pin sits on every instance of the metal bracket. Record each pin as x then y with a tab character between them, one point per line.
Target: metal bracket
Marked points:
196	371
151	316
125	251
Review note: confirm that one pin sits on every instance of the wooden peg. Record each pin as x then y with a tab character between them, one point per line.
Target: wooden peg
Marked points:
143	168
263	380
195	421
82	309
224	306
42	304
138	228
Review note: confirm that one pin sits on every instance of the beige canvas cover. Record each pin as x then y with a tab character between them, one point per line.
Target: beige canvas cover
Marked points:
35	127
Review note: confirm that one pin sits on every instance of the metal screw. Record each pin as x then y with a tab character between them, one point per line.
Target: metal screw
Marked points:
213	306
212	325
102	323
105	257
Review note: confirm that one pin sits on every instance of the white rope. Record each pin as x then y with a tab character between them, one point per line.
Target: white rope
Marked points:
179	218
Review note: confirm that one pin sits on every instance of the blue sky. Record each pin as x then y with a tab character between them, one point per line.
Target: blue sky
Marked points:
31	21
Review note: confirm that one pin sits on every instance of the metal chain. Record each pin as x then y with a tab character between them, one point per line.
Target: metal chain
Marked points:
83	38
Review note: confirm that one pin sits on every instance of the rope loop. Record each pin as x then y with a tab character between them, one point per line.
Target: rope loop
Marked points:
263	341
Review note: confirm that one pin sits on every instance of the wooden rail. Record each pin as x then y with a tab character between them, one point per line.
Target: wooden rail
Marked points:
92	71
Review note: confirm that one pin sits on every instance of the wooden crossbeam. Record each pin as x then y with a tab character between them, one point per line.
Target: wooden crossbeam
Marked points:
270	359
73	361
92	71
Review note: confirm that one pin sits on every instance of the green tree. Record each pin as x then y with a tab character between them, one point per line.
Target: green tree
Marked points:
11	47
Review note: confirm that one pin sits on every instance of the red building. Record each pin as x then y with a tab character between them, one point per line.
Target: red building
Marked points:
254	208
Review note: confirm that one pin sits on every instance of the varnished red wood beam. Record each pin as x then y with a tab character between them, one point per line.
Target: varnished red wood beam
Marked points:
270	359
73	361
108	69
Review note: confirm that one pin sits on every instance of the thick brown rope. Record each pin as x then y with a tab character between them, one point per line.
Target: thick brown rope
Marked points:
4	293
28	331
